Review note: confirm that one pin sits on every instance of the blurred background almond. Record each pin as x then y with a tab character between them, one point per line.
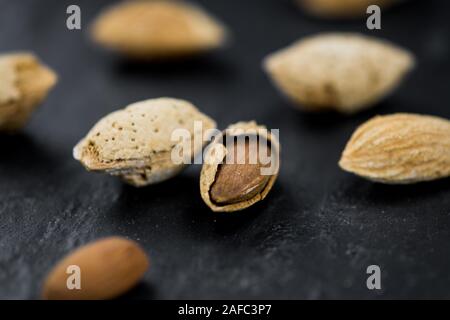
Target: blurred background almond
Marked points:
150	29
341	8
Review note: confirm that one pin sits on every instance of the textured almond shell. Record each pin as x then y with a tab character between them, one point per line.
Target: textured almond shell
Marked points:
156	29
108	268
208	173
400	148
341	8
346	72
24	84
135	143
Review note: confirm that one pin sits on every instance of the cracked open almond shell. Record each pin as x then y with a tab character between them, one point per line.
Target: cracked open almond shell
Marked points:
211	167
24	84
399	149
136	143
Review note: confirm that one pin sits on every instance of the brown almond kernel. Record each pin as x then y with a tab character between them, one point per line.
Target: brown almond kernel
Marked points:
108	268
240	180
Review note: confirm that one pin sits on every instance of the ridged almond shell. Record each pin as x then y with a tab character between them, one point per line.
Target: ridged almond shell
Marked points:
24	84
399	149
346	72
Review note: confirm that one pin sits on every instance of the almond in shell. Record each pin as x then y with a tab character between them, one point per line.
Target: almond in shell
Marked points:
136	143
399	149
345	72
24	84
341	8
233	176
149	29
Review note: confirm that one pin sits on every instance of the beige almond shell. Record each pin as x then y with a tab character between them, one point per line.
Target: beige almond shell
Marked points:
208	172
341	8
399	149
24	84
158	29
108	268
136	143
346	72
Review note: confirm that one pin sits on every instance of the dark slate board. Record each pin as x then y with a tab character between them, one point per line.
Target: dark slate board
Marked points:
317	231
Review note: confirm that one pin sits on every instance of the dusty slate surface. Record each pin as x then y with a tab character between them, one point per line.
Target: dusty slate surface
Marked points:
315	234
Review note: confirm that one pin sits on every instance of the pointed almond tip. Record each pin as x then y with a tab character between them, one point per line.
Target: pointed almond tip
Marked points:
345	164
76	153
268	63
342	164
